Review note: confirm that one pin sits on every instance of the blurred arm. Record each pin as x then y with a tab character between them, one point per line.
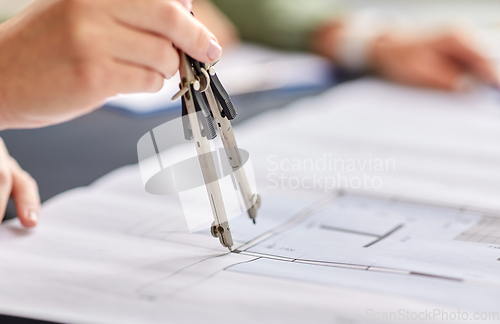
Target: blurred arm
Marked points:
364	41
279	23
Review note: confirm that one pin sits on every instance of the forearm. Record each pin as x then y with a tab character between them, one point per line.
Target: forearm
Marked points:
333	41
313	25
326	38
3	109
279	23
4	116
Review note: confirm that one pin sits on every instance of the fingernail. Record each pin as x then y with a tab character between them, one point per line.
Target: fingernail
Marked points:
214	51
188	4
33	216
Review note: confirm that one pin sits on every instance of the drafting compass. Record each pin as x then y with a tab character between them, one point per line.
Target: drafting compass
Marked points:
206	108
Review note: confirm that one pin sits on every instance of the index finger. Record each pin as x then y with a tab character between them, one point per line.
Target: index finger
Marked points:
173	21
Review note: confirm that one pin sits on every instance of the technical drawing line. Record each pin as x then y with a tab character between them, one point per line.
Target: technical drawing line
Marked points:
206	278
436	276
347	231
379	237
346	265
384	236
178	271
301	216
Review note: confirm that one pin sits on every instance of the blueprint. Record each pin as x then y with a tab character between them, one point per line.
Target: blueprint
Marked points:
400	236
410	248
426	239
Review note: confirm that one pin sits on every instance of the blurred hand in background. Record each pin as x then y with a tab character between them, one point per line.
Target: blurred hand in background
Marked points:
448	60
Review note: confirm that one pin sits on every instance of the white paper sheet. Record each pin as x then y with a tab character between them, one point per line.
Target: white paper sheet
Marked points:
112	253
437	146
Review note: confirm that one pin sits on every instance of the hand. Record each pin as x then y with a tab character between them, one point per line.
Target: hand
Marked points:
62	58
18	184
446	62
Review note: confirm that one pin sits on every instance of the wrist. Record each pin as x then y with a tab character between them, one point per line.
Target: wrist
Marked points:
377	51
3	99
361	37
4	107
5	116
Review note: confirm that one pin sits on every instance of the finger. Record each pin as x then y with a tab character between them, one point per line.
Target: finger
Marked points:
129	78
145	49
171	20
25	195
5	178
464	52
435	71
